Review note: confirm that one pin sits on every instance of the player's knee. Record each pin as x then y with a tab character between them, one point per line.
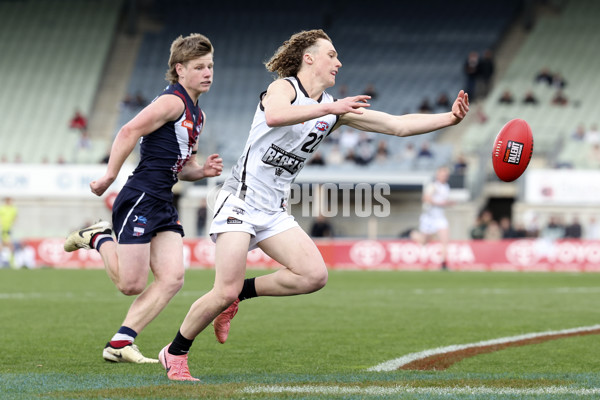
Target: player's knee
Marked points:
131	288
317	279
226	296
173	284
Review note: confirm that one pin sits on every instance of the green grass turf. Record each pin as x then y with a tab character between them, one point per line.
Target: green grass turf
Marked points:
54	324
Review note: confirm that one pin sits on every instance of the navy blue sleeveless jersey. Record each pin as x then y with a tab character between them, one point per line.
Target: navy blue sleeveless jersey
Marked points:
164	152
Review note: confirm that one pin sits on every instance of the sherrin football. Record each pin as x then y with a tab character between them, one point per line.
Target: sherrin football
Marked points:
512	150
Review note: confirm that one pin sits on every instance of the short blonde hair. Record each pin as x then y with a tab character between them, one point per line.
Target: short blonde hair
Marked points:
184	49
287	60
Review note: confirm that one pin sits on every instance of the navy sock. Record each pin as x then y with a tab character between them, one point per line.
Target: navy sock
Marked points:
249	290
180	346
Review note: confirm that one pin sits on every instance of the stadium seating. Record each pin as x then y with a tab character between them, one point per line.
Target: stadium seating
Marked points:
53	55
564	43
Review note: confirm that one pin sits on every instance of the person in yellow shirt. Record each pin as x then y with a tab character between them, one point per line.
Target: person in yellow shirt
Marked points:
8	215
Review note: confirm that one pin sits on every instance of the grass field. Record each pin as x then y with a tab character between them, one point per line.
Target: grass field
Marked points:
54	324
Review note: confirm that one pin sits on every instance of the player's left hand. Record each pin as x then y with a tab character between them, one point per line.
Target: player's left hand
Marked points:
213	166
460	108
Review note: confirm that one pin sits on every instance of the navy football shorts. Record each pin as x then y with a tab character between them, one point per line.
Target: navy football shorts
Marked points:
137	217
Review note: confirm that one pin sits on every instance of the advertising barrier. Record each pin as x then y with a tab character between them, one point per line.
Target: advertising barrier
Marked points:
502	255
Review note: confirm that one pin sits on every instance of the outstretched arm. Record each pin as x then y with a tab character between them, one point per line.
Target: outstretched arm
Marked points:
280	112
165	108
409	124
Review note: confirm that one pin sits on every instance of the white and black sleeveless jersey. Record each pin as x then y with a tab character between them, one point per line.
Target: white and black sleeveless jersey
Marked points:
274	156
440	193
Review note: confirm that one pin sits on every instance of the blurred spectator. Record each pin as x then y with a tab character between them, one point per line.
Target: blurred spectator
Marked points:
140	100
443	101
321	227
483	220
334	156
554	229
348	138
530	98
460	165
134	102
508	232
520	231
350	156
558	81
593	135
592	231
492	231
532	225
371	91
382	153
579	134
471	71
574	229
364	154
78	121
425	107
560	99
486	73
425	151
506	97
544	76
408	152
317	159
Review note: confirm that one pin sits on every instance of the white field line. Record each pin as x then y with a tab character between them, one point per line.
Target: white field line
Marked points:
396	363
401	389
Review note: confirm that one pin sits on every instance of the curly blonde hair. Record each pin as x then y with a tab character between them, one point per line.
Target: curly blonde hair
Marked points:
184	49
288	58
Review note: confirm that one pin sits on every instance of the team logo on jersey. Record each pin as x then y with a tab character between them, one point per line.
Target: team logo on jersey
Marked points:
188	124
322	126
278	157
278	171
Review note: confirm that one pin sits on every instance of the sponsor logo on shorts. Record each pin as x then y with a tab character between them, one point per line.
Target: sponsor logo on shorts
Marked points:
137	231
278	157
238	211
140	220
233	220
512	154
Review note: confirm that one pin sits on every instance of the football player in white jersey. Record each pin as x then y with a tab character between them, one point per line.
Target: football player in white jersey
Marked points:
433	222
290	122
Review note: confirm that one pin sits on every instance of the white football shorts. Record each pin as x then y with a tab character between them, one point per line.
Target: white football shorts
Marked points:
232	214
430	224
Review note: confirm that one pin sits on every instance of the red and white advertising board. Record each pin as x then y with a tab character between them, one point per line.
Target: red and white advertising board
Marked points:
503	255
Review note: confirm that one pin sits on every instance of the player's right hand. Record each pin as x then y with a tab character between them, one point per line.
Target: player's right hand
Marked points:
99	186
352	104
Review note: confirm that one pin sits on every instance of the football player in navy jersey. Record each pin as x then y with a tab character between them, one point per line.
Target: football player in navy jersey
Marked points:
145	223
291	120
